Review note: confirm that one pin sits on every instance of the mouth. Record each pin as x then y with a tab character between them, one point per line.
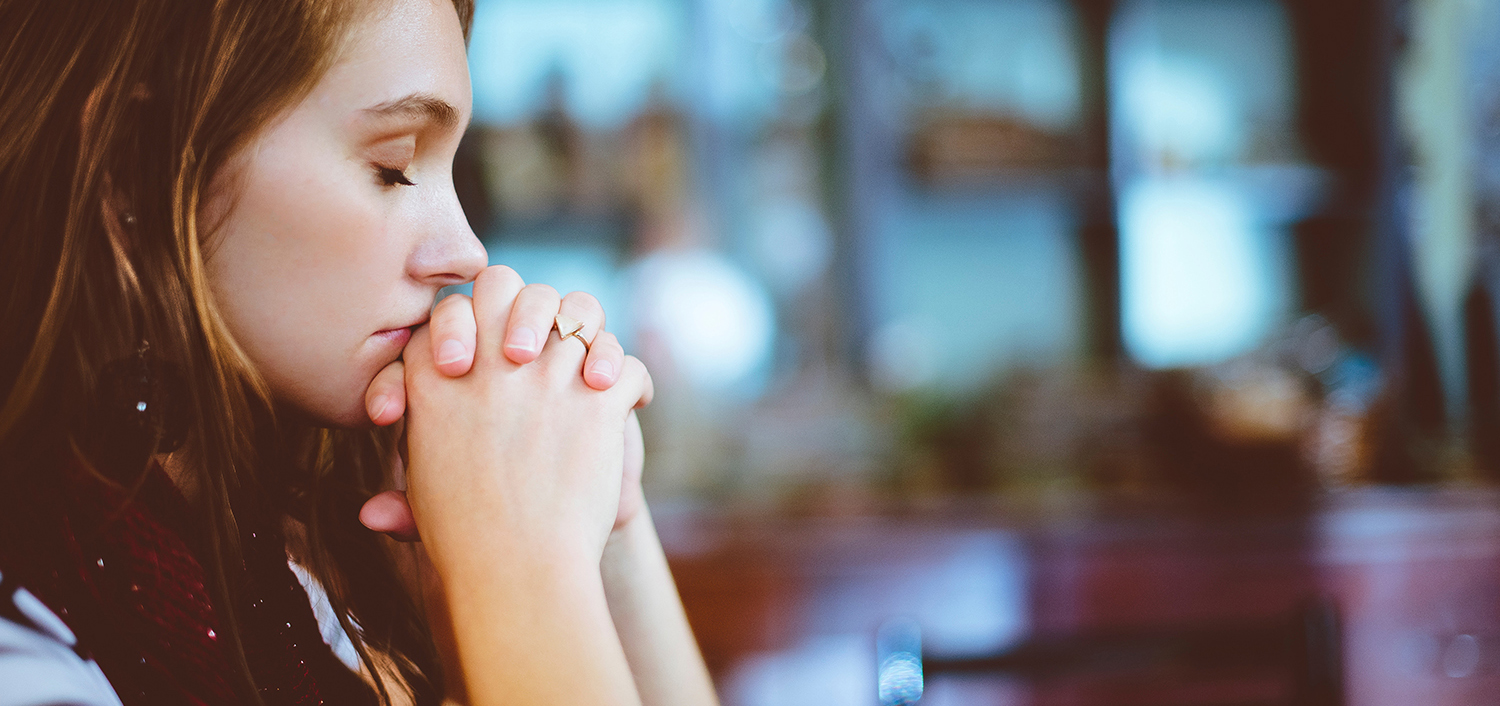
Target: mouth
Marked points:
397	337
400	334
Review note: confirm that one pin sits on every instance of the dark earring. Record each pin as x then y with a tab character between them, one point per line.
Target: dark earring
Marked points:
137	410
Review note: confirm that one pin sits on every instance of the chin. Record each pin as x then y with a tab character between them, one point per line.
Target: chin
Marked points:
356	418
343	397
331	409
326	416
350	411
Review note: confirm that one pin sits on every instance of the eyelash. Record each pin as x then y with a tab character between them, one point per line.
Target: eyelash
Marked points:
391	176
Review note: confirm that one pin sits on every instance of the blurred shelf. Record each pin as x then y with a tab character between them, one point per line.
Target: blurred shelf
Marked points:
998	181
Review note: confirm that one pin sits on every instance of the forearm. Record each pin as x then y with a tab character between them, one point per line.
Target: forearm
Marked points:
648	615
536	630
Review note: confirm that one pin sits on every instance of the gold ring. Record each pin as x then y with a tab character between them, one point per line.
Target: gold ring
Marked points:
568	327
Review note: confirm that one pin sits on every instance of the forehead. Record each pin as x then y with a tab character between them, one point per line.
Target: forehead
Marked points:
399	49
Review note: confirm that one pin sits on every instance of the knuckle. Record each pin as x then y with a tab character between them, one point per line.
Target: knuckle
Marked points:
541	291
418	346
416	378
634	367
388	377
585	302
497	275
608	342
451	309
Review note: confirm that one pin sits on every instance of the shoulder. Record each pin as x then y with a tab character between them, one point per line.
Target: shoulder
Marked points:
38	664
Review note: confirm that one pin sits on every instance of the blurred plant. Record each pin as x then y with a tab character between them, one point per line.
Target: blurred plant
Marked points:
1028	432
1263	432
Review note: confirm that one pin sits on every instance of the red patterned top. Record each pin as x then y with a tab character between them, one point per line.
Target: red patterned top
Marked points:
126	579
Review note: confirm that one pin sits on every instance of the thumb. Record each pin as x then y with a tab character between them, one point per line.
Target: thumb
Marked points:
389	513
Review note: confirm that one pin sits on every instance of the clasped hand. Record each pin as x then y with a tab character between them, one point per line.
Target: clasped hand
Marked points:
510	430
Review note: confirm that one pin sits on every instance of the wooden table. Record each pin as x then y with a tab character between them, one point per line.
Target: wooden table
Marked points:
1414	575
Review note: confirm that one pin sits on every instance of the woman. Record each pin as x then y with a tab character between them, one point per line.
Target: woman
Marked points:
224	227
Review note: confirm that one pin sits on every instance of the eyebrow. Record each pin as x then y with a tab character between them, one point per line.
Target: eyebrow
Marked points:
419	106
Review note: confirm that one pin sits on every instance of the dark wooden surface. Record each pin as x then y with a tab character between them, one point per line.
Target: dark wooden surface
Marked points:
1415	576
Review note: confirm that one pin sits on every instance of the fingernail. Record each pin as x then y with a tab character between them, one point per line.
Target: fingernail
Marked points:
378	405
522	339
450	352
605	369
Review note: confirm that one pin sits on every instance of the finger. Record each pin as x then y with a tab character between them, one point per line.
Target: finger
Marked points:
583	308
631	498
389	513
417	356
634	385
385	398
453	334
530	321
495	292
417	361
604	363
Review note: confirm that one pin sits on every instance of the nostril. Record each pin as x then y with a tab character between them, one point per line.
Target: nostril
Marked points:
449	254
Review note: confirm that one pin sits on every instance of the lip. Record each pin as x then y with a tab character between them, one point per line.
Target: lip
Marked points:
400	335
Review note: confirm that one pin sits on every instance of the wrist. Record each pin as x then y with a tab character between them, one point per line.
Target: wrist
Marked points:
517	619
486	553
468	532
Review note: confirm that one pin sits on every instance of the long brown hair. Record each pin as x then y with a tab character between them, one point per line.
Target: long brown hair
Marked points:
133	107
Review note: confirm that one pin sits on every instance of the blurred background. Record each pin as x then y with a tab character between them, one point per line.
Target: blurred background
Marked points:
1037	351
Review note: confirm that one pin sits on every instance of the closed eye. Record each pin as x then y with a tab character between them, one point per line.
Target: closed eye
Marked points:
391	176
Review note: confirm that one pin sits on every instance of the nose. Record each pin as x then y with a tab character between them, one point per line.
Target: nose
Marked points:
449	253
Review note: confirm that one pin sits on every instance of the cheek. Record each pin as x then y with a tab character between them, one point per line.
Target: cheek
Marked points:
301	269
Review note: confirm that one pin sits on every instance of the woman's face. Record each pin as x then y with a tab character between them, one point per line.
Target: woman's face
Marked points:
342	221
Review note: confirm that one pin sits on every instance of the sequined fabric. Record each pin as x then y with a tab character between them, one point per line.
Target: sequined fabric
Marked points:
126	578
